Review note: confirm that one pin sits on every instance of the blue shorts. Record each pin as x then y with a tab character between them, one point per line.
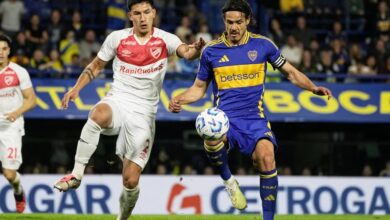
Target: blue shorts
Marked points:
244	133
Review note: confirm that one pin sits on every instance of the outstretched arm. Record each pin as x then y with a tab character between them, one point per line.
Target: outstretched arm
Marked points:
192	51
191	95
89	73
301	80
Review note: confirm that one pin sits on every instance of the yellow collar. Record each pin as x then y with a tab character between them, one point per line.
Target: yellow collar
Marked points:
244	39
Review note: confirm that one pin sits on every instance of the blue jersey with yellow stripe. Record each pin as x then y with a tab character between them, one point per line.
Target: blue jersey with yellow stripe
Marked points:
238	73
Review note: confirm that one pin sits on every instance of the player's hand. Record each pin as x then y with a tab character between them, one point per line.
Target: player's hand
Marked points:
319	90
71	95
174	106
198	45
11	116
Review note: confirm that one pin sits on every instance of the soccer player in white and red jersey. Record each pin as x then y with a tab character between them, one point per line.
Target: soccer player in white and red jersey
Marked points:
129	109
17	96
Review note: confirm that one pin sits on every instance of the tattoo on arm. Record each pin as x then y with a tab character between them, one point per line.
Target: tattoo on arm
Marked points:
89	73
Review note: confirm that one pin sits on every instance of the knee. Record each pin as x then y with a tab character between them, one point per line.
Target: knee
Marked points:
101	115
265	161
130	182
268	160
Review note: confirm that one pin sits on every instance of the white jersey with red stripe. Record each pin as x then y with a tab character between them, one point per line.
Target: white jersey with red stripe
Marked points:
139	68
13	79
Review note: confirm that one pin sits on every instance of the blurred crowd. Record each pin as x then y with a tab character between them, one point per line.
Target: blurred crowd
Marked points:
328	40
334	38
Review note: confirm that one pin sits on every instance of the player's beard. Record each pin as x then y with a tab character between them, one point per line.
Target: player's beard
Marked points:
144	29
235	36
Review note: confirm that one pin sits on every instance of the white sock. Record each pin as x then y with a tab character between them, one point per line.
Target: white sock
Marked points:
86	146
16	184
230	181
127	202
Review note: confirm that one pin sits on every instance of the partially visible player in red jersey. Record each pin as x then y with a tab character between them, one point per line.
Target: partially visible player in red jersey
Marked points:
129	110
17	96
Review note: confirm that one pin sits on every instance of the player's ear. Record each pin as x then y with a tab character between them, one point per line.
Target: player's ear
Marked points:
129	16
247	21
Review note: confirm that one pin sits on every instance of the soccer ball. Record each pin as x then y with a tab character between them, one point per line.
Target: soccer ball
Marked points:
212	124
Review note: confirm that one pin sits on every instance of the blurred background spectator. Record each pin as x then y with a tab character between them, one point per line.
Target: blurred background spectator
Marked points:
386	170
11	12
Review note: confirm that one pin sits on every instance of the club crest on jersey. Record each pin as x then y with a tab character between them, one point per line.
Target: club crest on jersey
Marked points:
252	54
8	80
156	52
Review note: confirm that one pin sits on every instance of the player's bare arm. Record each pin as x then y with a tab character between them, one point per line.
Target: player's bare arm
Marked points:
29	102
301	80
191	51
191	95
89	73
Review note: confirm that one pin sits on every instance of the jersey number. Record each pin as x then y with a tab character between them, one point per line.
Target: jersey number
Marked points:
12	153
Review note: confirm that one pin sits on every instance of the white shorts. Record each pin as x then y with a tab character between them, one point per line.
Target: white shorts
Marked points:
135	132
11	150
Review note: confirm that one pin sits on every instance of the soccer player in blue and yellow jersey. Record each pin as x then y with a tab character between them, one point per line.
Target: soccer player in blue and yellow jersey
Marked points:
235	64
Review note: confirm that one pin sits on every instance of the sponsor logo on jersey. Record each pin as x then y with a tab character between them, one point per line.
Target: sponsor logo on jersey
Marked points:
156	42
141	71
128	43
224	59
8	94
126	52
131	52
239	76
269	134
9	71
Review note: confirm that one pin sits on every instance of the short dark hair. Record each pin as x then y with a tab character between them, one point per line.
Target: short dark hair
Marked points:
5	38
130	3
241	6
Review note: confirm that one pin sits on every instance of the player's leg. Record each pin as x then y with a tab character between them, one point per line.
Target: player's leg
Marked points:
130	192
264	161
13	178
100	118
134	145
218	157
11	158
217	154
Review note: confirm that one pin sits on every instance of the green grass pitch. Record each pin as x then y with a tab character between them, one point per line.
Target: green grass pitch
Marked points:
189	217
